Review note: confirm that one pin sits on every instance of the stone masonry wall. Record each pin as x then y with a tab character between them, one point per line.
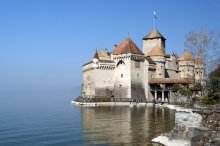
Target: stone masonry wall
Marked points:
137	81
104	82
149	44
122	78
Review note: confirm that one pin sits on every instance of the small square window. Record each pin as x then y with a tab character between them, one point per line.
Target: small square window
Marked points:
137	64
121	75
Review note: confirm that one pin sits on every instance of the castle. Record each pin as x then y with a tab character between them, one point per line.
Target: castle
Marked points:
128	74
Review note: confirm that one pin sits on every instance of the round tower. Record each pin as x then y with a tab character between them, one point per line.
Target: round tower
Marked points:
199	70
158	56
186	65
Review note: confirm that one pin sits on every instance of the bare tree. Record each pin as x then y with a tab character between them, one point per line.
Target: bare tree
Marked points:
204	44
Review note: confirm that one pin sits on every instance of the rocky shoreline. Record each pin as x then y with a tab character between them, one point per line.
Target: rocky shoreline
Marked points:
210	120
196	126
199	126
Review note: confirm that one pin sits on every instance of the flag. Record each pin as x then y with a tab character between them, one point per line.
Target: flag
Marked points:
155	15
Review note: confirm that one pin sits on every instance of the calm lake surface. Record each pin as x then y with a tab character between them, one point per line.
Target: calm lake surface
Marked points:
49	119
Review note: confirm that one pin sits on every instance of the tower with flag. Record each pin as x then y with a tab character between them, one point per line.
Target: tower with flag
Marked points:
129	74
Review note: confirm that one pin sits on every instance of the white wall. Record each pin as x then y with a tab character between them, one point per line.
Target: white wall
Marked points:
122	77
187	69
88	87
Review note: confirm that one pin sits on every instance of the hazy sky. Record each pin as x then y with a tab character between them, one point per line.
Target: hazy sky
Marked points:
44	43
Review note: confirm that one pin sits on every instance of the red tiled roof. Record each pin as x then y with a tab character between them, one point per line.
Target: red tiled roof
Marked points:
169	81
127	46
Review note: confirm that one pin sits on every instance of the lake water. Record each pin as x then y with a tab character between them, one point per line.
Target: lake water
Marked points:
49	119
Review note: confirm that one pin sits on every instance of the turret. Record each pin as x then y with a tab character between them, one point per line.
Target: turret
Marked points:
157	55
152	39
199	70
129	60
186	65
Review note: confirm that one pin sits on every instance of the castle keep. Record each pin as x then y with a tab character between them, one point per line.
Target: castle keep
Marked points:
128	74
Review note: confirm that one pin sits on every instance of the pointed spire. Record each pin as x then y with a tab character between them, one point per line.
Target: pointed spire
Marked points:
153	34
199	60
96	55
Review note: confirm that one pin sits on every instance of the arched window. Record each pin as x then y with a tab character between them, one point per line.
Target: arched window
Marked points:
120	62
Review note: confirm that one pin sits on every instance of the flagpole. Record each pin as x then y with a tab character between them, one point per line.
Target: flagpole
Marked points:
154	23
154	20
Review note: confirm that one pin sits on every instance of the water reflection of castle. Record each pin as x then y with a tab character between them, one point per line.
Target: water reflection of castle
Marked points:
124	125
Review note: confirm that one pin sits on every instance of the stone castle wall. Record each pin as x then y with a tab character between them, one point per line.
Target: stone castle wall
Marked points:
137	80
122	77
148	45
104	82
187	69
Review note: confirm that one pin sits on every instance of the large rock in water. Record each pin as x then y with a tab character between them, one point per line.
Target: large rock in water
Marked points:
201	128
211	120
187	131
188	127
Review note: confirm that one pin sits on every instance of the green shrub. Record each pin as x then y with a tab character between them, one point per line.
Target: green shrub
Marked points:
175	87
208	100
213	87
185	92
197	87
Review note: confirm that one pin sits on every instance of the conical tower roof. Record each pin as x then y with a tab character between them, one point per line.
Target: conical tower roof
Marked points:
153	34
199	60
156	51
127	46
186	56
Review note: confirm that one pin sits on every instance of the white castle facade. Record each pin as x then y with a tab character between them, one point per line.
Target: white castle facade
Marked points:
128	74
